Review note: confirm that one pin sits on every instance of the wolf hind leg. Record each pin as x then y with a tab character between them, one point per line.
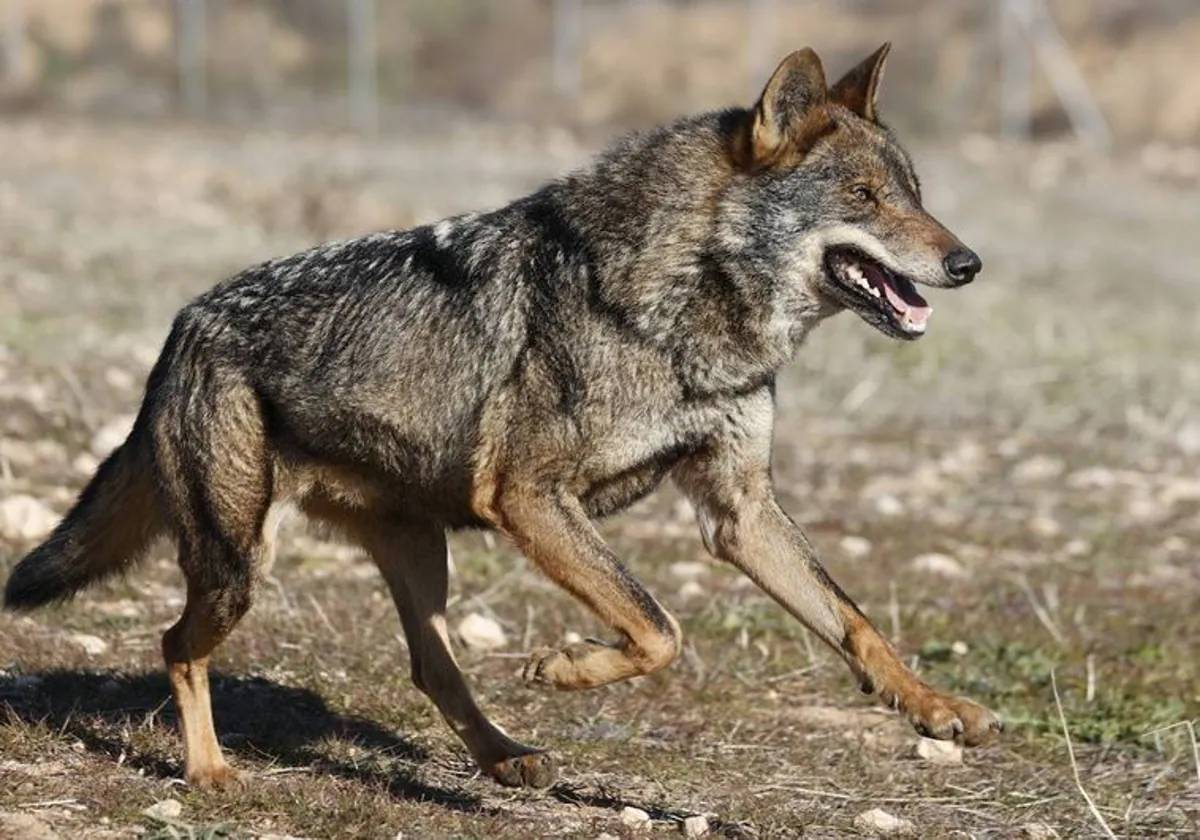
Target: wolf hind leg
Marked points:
216	476
413	561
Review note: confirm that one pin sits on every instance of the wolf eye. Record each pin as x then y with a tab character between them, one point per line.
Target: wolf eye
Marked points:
863	193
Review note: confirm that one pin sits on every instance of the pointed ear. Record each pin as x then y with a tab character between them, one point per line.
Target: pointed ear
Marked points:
789	110
858	89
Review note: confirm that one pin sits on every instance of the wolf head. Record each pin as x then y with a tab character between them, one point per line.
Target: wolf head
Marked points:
831	198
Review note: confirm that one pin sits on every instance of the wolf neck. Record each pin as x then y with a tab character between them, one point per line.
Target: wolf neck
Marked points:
677	259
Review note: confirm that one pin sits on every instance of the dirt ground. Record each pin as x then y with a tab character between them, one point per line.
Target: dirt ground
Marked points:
1015	500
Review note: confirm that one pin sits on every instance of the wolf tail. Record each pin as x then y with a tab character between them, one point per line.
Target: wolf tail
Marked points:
113	522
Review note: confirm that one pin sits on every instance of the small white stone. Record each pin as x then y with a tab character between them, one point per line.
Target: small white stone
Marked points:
696	826
942	565
119	378
689	570
111	435
25	826
167	809
1180	490
635	818
960	648
1077	547
1037	469
691	591
85	463
938	752
1044	526
25	519
92	645
880	822
1092	478
1039	831
888	505
1174	544
1188	439
479	632
854	547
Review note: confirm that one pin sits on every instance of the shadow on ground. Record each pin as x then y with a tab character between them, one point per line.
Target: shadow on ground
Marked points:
258	721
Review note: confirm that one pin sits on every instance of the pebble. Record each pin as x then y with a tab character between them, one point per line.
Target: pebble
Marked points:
1037	469
1077	547
1038	831
889	506
24	826
938	752
689	570
1043	525
479	632
85	463
111	435
883	824
942	565
854	547
696	826
25	519
167	809
635	818
92	645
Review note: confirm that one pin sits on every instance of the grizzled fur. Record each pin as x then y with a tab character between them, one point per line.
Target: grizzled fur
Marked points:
526	369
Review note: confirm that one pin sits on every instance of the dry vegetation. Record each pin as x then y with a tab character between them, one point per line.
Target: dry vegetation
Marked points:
1015	499
640	60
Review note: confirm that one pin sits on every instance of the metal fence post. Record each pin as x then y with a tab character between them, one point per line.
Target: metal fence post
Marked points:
363	65
565	59
761	42
14	39
1063	73
191	21
1016	71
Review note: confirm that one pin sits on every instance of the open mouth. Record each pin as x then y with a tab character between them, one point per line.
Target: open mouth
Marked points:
872	287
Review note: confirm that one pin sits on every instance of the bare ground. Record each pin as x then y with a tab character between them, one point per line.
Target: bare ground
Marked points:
1043	439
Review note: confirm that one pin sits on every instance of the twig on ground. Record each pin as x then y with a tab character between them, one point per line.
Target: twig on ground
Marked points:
1190	726
1091	678
1062	717
324	618
1040	611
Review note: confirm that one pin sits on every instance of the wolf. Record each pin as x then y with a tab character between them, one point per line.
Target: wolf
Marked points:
529	370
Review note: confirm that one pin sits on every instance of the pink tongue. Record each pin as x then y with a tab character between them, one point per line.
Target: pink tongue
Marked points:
914	314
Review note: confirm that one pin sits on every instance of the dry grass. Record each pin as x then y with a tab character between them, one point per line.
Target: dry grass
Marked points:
1042	436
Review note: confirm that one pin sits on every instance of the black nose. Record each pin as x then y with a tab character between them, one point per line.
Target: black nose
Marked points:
962	265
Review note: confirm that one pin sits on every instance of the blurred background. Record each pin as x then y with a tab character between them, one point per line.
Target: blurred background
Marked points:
1014	496
1115	69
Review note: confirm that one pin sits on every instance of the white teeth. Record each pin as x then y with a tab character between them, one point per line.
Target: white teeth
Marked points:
855	273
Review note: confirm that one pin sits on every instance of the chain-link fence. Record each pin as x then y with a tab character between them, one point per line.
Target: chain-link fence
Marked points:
1020	67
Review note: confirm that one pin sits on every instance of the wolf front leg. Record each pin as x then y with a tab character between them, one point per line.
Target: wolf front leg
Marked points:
742	523
552	529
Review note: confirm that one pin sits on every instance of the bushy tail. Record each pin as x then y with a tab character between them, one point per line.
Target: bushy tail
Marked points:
113	522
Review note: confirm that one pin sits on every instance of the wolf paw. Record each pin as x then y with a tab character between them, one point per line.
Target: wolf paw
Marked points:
218	777
567	667
531	770
935	715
